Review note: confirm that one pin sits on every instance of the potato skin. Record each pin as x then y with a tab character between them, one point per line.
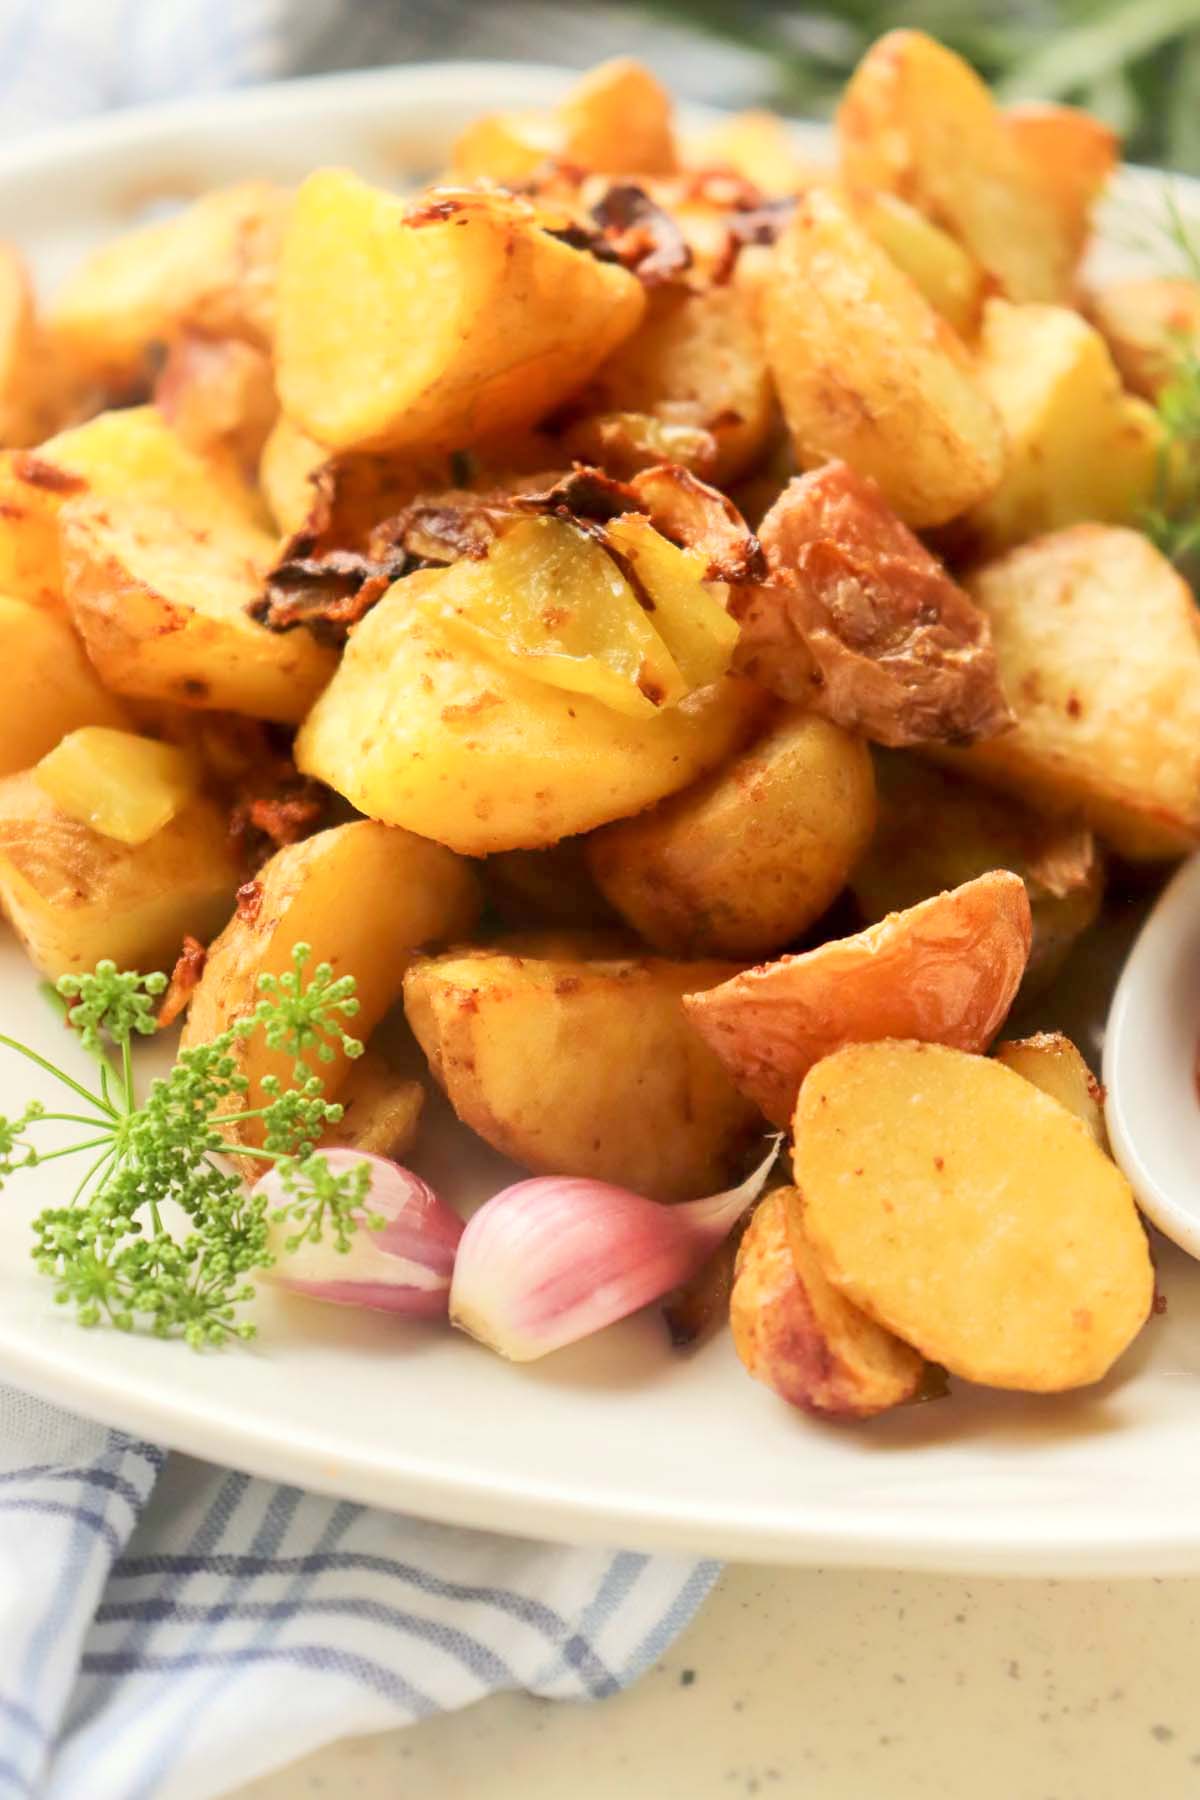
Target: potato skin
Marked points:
944	971
797	1334
1056	1066
1145	320
971	1214
869	372
419	728
583	1067
744	861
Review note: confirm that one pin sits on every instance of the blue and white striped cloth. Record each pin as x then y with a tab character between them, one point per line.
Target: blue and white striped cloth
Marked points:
169	1630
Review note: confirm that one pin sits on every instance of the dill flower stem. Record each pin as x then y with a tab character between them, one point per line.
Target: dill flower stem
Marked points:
59	1075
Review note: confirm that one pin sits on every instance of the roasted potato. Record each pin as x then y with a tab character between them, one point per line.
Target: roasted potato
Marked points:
796	1333
420	728
74	897
971	1215
936	830
1079	446
29	388
219	395
1108	718
581	1067
945	971
952	281
211	266
1072	155
743	862
1150	323
289	461
162	606
364	898
615	120
381	1111
123	784
917	121
1053	1064
859	620
869	372
757	146
473	322
47	685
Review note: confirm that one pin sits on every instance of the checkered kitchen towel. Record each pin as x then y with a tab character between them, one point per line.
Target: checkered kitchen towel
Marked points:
169	1629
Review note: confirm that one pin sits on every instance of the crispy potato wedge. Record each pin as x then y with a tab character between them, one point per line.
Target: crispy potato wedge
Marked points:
580	1067
406	893
219	395
47	685
1072	155
971	1215
212	266
952	281
473	322
1054	1064
744	861
161	606
1102	732
757	146
420	728
945	972
869	372
616	121
936	830
797	1334
1148	323
74	897
916	120
859	620
546	887
381	1110
1080	448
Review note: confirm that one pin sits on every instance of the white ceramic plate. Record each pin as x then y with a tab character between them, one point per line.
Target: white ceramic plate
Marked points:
618	1440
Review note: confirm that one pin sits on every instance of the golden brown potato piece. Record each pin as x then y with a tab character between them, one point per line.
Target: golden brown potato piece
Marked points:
757	146
420	728
744	861
945	971
869	372
936	830
1054	1064
211	266
616	121
797	1334
290	459
474	322
364	898
1079	446
381	1110
1072	155
581	1067
47	685
1149	322
162	608
916	119
546	887
30	393
219	395
695	362
971	1215
859	620
951	281
73	897
1108	724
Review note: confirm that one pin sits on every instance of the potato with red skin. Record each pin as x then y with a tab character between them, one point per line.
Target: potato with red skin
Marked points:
944	972
795	1333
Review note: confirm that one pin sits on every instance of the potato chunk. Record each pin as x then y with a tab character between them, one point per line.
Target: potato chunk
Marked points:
289	461
869	372
73	897
1079	446
162	607
28	384
916	119
436	325
945	971
364	898
1072	155
419	728
582	1067
741	863
1054	1064
123	785
47	685
757	146
1108	717
951	281
1148	322
616	120
381	1110
219	395
971	1215
859	620
936	830
796	1333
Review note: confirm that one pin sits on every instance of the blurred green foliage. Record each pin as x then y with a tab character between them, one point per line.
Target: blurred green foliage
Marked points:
1134	62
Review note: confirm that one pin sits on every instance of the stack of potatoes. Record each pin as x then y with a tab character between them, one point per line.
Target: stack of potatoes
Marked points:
663	556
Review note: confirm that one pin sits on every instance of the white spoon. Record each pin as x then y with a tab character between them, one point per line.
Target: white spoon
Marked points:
1150	1062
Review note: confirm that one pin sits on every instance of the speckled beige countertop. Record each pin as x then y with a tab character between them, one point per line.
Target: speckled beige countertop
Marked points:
839	1686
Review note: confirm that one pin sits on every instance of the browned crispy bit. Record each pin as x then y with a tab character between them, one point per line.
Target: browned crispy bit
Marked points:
249	901
37	472
189	967
859	620
583	493
327	593
699	517
274	807
626	226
